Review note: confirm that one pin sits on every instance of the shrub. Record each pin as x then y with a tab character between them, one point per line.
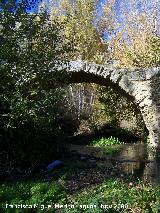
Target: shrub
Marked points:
106	142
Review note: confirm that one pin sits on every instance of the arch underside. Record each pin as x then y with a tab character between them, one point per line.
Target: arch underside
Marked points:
82	77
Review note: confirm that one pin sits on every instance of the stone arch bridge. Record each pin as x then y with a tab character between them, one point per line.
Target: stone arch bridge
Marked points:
141	86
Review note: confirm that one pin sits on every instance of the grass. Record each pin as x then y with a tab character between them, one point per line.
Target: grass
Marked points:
29	193
110	145
111	196
105	142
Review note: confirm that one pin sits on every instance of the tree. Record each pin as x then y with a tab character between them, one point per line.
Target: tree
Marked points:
80	28
134	42
30	95
29	44
87	44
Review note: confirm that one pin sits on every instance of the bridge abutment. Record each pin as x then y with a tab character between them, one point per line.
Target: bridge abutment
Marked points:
147	97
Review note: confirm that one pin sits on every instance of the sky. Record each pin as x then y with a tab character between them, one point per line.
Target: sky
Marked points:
32	6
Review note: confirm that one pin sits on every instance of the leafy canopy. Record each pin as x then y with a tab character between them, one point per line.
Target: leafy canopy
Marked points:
30	44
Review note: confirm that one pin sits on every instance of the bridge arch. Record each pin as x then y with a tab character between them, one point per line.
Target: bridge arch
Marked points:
141	86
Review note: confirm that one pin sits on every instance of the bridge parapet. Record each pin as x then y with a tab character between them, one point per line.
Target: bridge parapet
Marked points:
106	71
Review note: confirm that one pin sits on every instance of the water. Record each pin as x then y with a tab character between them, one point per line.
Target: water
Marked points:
131	159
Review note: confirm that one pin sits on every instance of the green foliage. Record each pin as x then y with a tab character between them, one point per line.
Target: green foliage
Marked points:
116	106
120	197
110	146
111	106
106	142
30	193
150	57
30	47
80	30
31	95
135	42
